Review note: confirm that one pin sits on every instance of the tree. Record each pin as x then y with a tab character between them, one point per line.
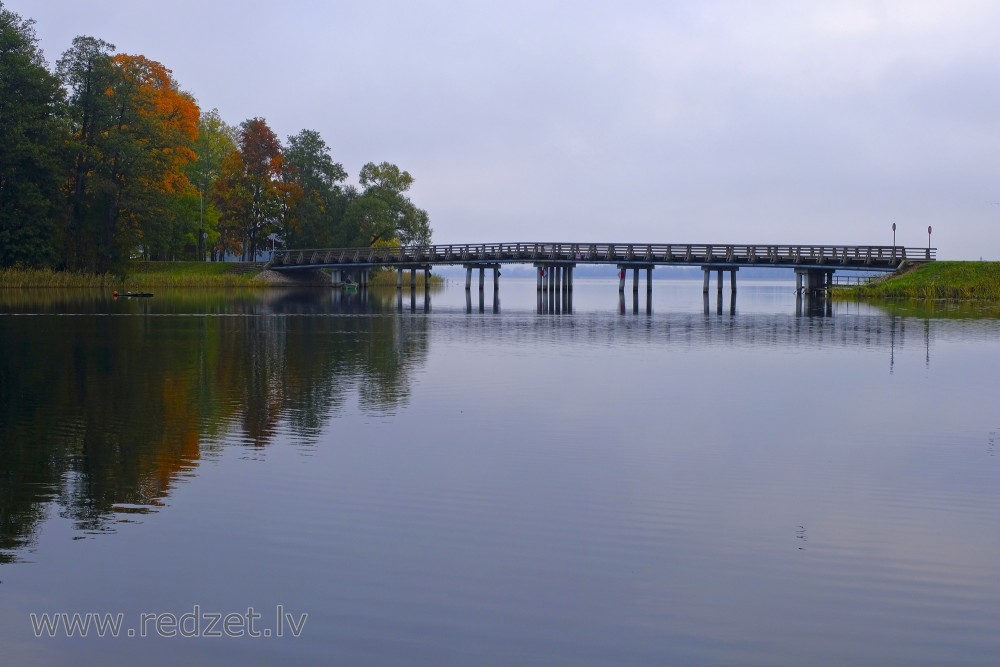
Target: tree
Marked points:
249	192
382	213
215	141
148	148
86	71
321	200
133	130
31	135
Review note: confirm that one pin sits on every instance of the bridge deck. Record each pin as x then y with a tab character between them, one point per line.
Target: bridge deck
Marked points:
833	257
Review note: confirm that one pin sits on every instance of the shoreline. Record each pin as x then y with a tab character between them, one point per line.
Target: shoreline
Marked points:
940	280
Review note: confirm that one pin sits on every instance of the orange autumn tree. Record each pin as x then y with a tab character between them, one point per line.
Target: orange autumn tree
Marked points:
147	145
253	194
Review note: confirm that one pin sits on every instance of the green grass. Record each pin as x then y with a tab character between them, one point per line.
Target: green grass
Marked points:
189	274
933	280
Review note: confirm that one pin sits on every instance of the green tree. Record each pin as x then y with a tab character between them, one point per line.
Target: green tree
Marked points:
31	135
382	213
321	202
86	71
216	140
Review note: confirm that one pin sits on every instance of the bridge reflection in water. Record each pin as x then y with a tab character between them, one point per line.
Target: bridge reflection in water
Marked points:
807	303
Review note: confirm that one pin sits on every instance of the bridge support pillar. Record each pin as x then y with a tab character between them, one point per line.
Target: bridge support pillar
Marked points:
623	270
569	278
813	281
708	278
413	279
539	270
468	278
399	278
427	278
496	277
482	277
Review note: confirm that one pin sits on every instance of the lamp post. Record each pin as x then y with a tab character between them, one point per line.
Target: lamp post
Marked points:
928	241
201	218
894	235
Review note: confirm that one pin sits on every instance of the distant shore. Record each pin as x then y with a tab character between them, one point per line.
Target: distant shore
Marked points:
933	280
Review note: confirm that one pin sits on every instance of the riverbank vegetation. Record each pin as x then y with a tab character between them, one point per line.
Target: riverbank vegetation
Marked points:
105	160
933	280
148	275
143	275
387	278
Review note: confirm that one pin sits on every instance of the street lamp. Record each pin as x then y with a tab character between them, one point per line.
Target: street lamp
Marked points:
928	241
894	235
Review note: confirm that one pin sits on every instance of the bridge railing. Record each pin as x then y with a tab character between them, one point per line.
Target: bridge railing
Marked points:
634	253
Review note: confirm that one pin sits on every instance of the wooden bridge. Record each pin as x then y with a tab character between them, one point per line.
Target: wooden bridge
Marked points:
813	264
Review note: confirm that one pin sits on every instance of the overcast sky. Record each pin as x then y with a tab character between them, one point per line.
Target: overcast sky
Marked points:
702	121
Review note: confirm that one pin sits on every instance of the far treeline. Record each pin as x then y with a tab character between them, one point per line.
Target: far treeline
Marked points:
106	160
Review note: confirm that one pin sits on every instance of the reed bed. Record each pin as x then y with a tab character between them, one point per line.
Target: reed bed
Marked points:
387	278
140	276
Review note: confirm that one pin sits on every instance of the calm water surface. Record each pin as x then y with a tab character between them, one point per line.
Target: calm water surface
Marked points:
699	484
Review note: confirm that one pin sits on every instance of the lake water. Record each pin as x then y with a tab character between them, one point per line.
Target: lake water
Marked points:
406	482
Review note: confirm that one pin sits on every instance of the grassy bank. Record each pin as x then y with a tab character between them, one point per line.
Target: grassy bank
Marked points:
934	280
142	275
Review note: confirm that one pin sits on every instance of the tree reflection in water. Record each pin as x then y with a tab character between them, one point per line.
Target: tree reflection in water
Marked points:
105	408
